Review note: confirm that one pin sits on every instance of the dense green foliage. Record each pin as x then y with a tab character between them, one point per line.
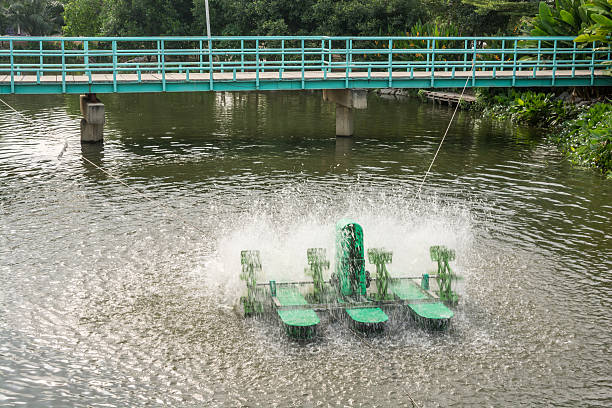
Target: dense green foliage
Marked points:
568	17
526	107
352	17
601	16
539	109
317	17
591	20
601	28
261	17
288	17
84	17
588	139
128	17
33	17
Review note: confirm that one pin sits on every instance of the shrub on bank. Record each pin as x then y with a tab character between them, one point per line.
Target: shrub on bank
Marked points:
588	139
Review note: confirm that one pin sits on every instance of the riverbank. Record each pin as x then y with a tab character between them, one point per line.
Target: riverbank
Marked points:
580	126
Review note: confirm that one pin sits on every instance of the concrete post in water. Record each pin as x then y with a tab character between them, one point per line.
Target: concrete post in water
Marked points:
346	100
344	121
92	124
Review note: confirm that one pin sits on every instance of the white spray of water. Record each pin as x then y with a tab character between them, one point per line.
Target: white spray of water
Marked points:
285	226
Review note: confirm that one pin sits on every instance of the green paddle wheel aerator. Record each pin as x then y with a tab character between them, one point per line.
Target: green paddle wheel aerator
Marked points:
349	292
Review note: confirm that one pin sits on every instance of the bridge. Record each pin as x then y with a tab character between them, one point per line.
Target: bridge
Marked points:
338	65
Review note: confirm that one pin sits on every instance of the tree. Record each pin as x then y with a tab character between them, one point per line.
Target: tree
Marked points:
254	17
149	17
84	17
505	7
365	17
128	17
3	22
503	16
34	17
314	17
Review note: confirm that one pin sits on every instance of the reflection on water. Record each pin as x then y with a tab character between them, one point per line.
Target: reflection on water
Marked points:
115	297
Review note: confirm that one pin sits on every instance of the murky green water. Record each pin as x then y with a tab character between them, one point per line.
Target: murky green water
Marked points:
110	297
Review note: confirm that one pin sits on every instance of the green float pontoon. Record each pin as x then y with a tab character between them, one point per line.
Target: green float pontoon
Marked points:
428	310
299	323
347	294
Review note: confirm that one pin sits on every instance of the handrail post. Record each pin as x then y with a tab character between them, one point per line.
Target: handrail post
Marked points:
433	57
210	64
593	63
63	67
554	69
163	65
390	63
86	59
329	54
12	66
327	58
346	58
41	62
282	68
242	55
539	54
257	64
514	63
201	56
350	56
303	64
503	56
114	50
158	57
474	65
574	60
465	51
322	56
427	64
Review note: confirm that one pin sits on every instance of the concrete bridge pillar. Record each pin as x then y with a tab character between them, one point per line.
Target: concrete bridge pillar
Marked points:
346	101
92	124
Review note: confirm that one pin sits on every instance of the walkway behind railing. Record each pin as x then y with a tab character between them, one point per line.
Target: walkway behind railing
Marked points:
159	64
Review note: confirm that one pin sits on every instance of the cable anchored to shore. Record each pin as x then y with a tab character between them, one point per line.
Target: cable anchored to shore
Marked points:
418	194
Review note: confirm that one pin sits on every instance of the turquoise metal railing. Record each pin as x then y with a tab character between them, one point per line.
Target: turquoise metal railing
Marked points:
99	64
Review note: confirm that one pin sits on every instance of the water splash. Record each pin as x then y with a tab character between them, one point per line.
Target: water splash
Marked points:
286	224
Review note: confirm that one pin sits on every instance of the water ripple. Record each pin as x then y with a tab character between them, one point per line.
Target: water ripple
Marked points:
113	297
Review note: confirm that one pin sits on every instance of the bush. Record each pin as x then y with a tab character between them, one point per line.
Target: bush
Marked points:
530	108
539	109
588	138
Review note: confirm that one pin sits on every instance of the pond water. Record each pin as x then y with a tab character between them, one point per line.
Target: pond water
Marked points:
121	290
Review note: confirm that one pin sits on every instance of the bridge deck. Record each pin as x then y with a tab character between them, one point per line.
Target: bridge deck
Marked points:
49	65
308	75
268	80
